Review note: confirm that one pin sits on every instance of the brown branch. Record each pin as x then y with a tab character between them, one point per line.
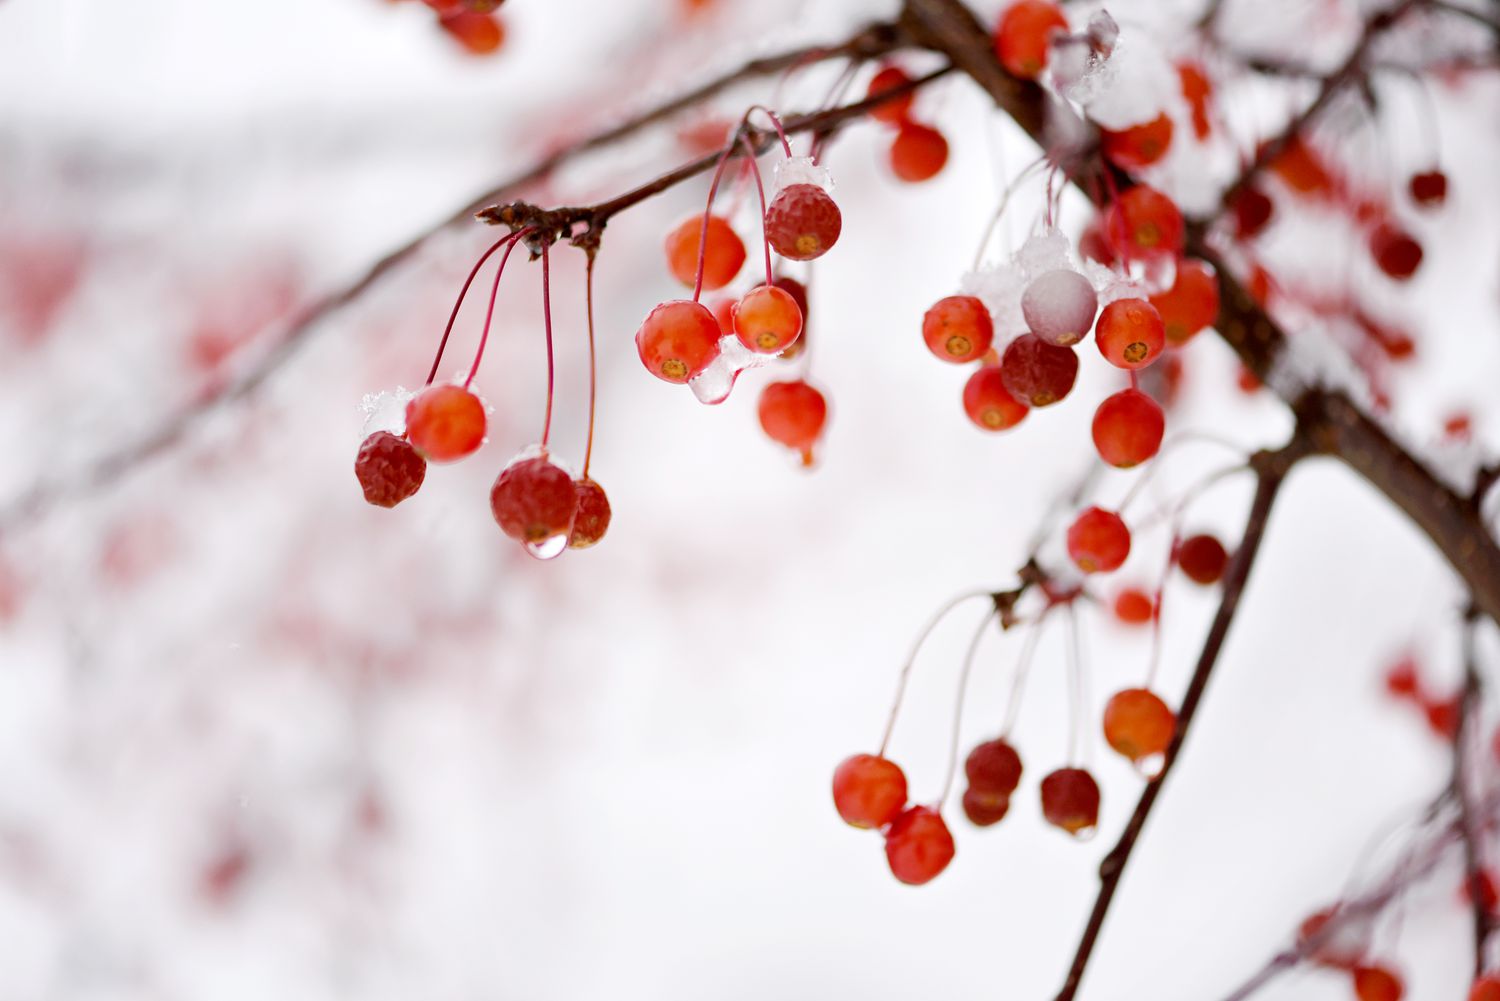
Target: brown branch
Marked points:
1271	469
1468	821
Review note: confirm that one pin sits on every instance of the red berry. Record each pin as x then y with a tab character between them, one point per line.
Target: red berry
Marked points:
766	319
1302	169
1138	725
1402	678
1134	607
985	808
1070	800
1130	333
1037	373
793	414
993	767
479	33
1252	212
1486	988
535	502
1429	187
958	328
1192	302
1197	91
918	846
678	340
1139	145
1128	428
868	791
1376	983
592	519
895	110
918	152
1059	306
389	469
798	292
1143	222
1098	541
1442	717
445	422
1024	35
722	260
1489	893
803	222
1395	252
988	403
1203	558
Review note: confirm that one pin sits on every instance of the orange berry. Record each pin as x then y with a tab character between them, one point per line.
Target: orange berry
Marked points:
1192	302
480	34
722	260
1143	222
868	791
895	110
445	423
1130	333
958	328
793	414
1024	34
766	319
1139	145
988	403
1138	725
677	340
918	152
1376	983
918	846
1098	541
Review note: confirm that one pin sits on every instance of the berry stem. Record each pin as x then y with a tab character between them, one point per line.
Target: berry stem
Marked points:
1077	690
1005	197
1018	681
911	660
958	705
760	189
588	298
547	324
484	336
1183	438
786	144
443	344
713	189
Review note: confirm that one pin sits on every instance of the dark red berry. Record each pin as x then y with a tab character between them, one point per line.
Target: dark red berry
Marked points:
1098	541
1070	800
389	469
985	808
534	502
803	222
1037	373
1429	188
993	767
1395	252
592	519
1203	558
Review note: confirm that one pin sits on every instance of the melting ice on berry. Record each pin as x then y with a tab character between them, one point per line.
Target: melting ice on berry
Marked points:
385	410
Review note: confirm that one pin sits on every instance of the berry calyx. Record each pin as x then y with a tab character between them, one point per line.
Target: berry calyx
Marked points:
1395	252
1128	428
1059	306
869	791
535	502
918	845
1429	188
592	519
766	319
445	423
1203	559
1130	333
1191	304
1098	541
1134	607
1376	983
1144	223
895	110
803	222
918	152
389	469
793	414
1139	145
1139	726
722	260
1024	35
1037	373
988	403
958	329
1070	801
678	340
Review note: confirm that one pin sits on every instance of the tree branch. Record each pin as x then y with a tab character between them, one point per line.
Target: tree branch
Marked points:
1468	820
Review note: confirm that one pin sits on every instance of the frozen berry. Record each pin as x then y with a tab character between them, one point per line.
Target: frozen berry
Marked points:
1098	541
1059	306
1024	35
803	222
793	414
1145	223
389	469
958	328
1070	800
1376	983
721	261
445	422
678	340
895	110
1202	558
1429	188
1138	725
592	519
534	501
869	791
766	319
1037	373
988	403
1395	252
1139	145
1191	304
918	846
1134	607
993	767
918	152
1128	428
1130	333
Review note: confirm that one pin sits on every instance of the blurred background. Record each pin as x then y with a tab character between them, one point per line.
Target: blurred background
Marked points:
259	739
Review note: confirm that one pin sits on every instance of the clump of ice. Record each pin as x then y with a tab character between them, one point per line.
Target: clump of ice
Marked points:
1079	65
713	384
802	170
385	410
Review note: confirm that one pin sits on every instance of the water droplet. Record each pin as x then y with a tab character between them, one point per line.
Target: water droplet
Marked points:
549	548
1150	766
1086	833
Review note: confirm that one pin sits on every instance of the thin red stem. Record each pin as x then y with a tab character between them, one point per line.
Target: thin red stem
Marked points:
786	144
713	189
484	337
547	324
453	316
588	298
958	706
760	189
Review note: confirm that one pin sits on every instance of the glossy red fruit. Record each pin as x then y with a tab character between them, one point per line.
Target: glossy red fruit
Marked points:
1202	558
798	292
389	469
1376	983
534	501
869	791
895	110
1130	333
918	152
1037	373
1098	541
958	329
1128	428
1059	306
985	808
1395	251
592	519
1139	145
721	261
793	414
678	340
1134	607
766	319
803	222
445	422
1252	210
918	845
1144	223
988	403
1191	304
478	33
1429	188
1070	800
993	767
1486	988
1024	35
1138	725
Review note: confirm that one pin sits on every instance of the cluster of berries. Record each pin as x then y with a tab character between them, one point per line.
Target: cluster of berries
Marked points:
473	24
1404	681
918	152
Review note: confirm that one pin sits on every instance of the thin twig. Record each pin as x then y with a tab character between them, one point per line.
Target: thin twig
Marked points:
1468	822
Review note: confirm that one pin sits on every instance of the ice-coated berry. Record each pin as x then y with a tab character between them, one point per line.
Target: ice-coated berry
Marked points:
1128	428
678	340
445	422
721	261
803	222
1070	800
1037	373
918	845
1130	333
1059	306
534	501
592	519
389	469
868	791
958	328
1098	541
766	319
988	403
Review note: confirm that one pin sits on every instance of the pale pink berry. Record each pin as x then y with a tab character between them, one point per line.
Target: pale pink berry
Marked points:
1059	307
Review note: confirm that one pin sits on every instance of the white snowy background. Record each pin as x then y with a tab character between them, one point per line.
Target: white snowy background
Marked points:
423	765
